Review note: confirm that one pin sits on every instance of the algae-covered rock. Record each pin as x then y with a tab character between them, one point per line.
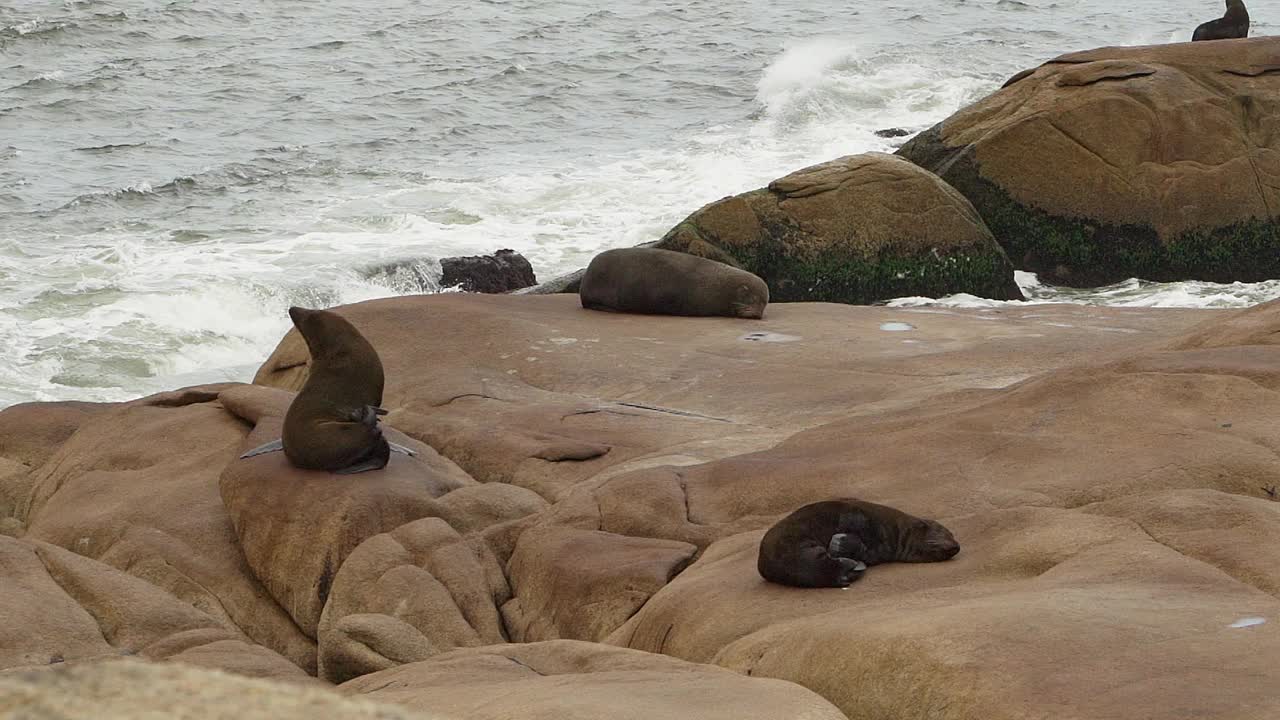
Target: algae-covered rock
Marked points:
1157	162
855	230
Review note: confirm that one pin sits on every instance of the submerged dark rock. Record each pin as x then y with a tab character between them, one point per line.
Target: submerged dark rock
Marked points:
501	272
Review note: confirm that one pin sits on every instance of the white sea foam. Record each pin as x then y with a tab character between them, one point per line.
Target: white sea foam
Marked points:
794	77
1130	293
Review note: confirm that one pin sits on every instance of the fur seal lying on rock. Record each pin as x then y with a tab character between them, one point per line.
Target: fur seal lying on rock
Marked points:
333	422
831	543
1235	24
665	282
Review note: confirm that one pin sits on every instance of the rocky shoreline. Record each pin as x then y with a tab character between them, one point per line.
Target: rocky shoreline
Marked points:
591	484
576	534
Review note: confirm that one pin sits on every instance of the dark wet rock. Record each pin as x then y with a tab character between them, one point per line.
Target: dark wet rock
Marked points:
501	272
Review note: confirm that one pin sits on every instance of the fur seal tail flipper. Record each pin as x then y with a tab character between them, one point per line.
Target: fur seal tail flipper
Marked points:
278	445
846	545
402	449
274	446
373	463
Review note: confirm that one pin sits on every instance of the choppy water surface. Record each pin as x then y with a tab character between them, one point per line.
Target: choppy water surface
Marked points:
173	175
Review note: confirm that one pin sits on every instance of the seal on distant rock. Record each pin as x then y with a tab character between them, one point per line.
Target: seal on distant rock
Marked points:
332	424
831	543
665	282
1235	24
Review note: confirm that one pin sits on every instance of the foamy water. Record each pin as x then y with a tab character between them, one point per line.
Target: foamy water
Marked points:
174	175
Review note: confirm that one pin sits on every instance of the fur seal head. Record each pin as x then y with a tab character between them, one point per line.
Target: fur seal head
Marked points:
339	350
831	543
749	301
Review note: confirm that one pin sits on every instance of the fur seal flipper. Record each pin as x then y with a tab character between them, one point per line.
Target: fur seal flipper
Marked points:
830	544
1234	24
277	445
274	446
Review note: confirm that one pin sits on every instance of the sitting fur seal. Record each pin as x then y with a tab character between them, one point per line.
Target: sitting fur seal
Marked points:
664	282
1235	24
333	422
831	543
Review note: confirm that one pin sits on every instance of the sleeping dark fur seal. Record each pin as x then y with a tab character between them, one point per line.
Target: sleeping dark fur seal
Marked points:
664	282
831	543
1235	24
333	422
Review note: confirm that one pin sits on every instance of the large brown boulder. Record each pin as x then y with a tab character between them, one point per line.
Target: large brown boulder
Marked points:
1158	162
1102	468
581	585
57	607
417	591
565	680
539	393
136	487
296	527
856	230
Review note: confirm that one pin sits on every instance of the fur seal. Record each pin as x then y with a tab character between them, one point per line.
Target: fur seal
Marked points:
1234	24
332	424
665	282
831	543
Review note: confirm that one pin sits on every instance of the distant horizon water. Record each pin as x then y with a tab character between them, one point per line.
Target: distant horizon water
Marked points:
175	174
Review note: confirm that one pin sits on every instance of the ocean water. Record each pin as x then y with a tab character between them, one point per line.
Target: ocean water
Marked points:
175	174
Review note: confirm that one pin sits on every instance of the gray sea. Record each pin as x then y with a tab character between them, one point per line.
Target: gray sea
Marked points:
175	174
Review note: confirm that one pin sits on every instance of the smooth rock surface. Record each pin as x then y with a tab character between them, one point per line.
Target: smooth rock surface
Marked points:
296	527
608	477
58	607
565	680
1058	443
136	487
129	690
400	597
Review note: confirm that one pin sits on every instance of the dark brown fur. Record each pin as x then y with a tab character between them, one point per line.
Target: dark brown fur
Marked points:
664	282
1234	24
823	544
332	423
